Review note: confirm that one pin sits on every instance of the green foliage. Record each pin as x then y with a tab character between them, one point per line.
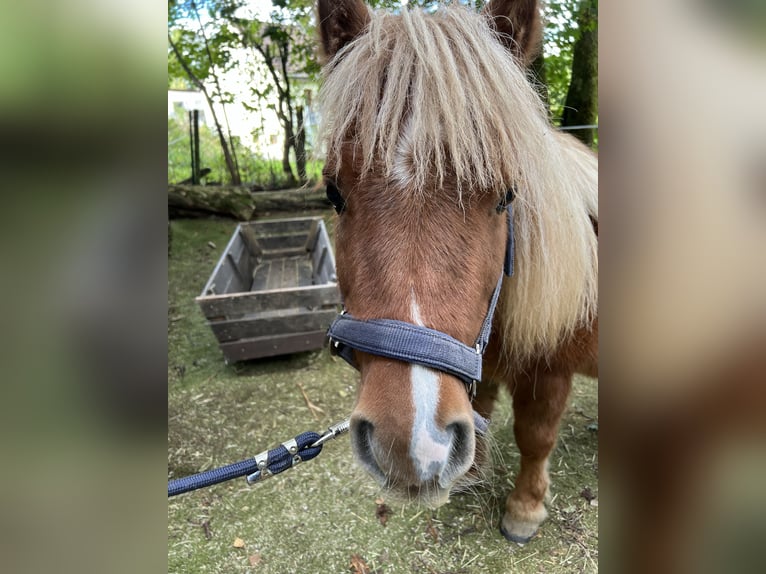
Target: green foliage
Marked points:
190	23
292	26
560	34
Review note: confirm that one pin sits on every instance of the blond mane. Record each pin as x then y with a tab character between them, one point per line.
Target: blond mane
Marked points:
429	99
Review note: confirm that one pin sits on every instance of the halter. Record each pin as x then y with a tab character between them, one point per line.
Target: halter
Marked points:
412	343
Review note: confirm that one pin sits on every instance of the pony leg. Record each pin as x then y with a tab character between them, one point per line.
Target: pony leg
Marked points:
486	395
539	401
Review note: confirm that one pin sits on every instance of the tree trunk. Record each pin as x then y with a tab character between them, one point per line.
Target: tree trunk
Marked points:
581	106
291	200
282	85
300	145
234	167
239	202
288	143
205	200
286	100
285	117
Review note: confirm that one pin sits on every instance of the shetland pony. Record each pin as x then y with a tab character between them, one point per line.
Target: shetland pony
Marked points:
428	120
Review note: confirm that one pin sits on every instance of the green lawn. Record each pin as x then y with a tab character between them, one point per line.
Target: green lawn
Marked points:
316	517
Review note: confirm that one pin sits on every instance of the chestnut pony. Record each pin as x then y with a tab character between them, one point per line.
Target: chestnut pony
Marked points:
428	121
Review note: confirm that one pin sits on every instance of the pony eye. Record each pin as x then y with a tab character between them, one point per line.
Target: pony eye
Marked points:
506	201
333	194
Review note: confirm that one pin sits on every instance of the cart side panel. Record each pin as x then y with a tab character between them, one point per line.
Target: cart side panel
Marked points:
294	322
237	305
272	345
220	278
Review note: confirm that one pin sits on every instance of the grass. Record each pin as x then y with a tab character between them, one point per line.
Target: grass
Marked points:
317	516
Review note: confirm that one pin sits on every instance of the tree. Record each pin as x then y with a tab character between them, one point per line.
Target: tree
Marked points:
581	107
285	46
208	38
273	43
553	67
199	54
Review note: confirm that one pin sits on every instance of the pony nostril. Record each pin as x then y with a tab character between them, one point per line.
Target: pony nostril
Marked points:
461	451
361	439
363	433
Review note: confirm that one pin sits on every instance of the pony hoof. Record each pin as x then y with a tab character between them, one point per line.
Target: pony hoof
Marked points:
521	540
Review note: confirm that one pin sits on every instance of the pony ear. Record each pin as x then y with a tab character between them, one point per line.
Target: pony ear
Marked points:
340	22
518	24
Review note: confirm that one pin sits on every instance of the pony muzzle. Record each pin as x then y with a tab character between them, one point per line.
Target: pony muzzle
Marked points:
424	464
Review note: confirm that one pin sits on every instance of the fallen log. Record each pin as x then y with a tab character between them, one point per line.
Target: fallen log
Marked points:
205	200
291	200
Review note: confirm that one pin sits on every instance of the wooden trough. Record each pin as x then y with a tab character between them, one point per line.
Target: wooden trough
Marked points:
274	289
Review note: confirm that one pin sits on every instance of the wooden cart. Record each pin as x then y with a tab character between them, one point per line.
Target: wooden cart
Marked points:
274	289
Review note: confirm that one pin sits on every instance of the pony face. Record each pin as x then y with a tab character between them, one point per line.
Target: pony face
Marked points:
428	120
430	262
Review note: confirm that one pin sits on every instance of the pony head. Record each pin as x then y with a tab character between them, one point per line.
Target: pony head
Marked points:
428	121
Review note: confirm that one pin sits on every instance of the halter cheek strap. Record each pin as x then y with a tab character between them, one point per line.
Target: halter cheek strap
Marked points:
420	345
510	246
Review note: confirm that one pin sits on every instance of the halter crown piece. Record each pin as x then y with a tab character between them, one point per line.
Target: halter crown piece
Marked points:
420	345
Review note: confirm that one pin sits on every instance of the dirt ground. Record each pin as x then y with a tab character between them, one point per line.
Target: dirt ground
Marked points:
327	515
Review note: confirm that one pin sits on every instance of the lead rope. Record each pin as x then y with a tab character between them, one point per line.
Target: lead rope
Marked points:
304	447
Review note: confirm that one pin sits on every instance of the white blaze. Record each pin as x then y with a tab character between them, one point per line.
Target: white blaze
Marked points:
415	310
430	446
